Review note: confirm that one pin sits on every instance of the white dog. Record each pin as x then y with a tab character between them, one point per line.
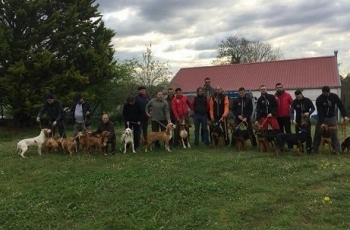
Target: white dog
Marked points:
127	138
23	145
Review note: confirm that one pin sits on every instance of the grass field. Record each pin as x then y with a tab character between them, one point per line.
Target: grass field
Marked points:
197	188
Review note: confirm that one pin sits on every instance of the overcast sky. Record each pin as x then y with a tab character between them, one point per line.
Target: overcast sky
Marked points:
187	32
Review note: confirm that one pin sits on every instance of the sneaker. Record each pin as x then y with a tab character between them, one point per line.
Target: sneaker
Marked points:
113	153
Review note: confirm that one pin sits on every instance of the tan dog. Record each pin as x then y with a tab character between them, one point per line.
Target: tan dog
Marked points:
98	142
68	144
83	141
325	138
263	142
184	137
51	145
22	146
164	136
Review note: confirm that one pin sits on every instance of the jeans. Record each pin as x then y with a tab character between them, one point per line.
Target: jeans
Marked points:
136	132
200	121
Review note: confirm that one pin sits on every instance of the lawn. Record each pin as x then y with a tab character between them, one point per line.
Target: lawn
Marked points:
197	188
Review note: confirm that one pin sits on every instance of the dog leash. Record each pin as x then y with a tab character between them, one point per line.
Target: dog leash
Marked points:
159	123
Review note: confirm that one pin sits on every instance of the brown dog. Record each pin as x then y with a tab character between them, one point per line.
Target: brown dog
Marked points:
98	142
216	134
83	141
240	135
164	136
263	142
51	145
68	144
325	138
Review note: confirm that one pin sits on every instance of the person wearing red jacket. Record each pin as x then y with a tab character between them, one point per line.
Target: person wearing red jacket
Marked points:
284	101
181	107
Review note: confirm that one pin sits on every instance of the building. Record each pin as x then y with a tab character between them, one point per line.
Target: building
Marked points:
308	74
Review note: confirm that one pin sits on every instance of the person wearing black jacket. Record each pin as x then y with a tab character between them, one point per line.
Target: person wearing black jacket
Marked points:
325	104
242	109
132	117
142	99
266	108
302	106
54	110
200	106
107	125
81	111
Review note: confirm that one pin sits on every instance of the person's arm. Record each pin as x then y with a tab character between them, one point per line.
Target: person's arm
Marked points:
341	106
167	112
274	105
60	112
211	109
42	110
234	108
148	106
189	104
173	108
249	108
258	110
226	107
88	109
311	106
125	115
292	112
319	108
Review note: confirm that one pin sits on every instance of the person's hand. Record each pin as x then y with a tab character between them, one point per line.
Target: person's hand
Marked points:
148	114
178	120
212	119
224	116
294	122
87	113
306	114
127	123
269	115
240	117
244	120
54	123
257	123
346	119
38	119
139	123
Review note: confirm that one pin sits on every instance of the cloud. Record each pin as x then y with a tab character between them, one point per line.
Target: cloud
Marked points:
187	33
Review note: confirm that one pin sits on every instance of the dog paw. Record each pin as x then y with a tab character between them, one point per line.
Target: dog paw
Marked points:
134	151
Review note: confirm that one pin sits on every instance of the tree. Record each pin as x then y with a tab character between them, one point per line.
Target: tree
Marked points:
150	73
51	46
241	50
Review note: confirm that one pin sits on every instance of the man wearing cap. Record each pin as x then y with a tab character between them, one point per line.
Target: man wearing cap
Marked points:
81	111
54	111
142	99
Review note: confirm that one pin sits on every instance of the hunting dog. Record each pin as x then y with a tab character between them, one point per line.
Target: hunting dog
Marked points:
184	137
294	138
22	146
51	145
325	138
240	135
98	142
345	144
68	144
217	135
266	138
127	138
83	140
164	136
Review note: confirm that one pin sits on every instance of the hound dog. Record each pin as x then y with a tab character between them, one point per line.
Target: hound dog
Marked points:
266	138
164	136
127	138
68	144
184	137
294	138
240	135
22	146
345	144
98	142
326	138
217	135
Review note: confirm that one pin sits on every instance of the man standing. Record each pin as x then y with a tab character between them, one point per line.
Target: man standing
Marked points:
325	104
54	111
284	101
242	109
174	141
266	108
142	99
219	109
158	110
302	106
81	111
180	106
200	106
208	90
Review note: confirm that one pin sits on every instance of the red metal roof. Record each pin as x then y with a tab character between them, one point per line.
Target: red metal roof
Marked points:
301	73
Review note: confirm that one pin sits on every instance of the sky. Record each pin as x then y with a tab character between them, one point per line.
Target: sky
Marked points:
187	33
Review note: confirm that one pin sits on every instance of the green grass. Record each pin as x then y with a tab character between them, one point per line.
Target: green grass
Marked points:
197	188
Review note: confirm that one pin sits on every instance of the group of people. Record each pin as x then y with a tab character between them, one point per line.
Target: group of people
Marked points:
278	110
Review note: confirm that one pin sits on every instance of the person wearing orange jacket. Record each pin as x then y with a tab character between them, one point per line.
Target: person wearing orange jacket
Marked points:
284	101
219	109
182	108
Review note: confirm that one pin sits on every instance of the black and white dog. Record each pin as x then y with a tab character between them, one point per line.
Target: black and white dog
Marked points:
127	138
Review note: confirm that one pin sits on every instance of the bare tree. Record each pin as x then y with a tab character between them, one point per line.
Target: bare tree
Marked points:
153	74
241	50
